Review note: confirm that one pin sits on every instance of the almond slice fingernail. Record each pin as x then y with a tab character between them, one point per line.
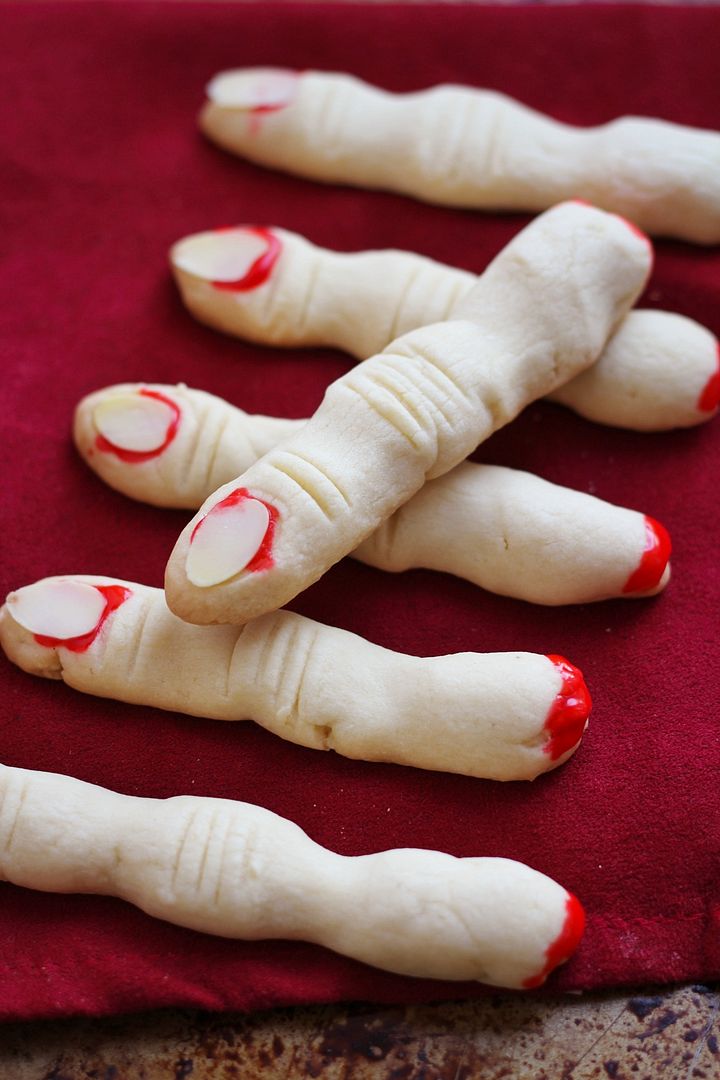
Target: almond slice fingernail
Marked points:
254	89
59	609
136	426
65	613
237	258
235	535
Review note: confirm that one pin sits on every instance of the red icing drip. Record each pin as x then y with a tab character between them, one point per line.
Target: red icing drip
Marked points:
257	112
254	121
260	110
710	397
653	561
134	457
263	558
568	712
262	268
564	945
115	595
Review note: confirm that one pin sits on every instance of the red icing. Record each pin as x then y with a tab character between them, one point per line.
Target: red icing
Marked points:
261	110
115	595
568	712
710	397
262	268
653	561
263	558
136	456
564	945
258	111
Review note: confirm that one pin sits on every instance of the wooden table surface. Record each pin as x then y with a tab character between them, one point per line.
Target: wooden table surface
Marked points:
654	1035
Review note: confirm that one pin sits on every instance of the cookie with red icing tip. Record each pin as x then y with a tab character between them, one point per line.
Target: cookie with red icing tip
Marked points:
416	912
461	146
508	531
540	314
501	716
658	371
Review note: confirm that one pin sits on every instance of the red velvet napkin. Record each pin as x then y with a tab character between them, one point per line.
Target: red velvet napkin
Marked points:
104	169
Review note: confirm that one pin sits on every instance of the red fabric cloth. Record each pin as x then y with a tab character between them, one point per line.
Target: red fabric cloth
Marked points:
104	169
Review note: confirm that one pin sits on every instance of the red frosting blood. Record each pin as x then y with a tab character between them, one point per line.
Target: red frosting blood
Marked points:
261	110
564	945
261	269
568	712
115	595
263	557
653	561
710	397
256	113
137	456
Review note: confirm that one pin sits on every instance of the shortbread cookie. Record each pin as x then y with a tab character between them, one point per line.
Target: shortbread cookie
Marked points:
459	146
192	442
505	530
503	716
539	315
658	371
240	871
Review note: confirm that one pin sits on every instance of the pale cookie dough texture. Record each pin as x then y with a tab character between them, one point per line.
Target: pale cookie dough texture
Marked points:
540	314
502	716
460	146
239	871
658	371
502	529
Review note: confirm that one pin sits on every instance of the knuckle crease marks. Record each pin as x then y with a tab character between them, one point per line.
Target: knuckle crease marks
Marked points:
312	480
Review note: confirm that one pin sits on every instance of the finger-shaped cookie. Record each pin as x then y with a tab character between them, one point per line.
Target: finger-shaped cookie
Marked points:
538	315
505	530
459	146
309	295
658	370
502	716
169	445
239	871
